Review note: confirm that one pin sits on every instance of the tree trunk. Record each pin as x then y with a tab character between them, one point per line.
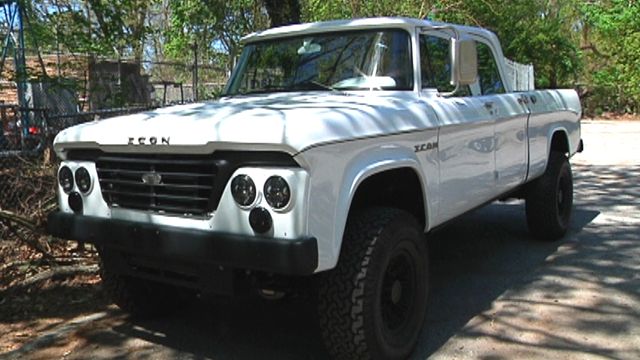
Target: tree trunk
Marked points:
283	12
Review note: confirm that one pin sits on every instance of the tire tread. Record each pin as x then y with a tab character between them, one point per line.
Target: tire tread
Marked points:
541	202
342	290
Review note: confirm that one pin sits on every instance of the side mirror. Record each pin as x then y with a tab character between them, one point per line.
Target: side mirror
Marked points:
464	59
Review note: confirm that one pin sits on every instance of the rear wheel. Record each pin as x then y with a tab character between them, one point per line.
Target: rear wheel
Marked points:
549	200
372	305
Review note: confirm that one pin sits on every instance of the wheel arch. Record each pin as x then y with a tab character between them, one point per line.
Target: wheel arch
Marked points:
399	188
558	141
359	190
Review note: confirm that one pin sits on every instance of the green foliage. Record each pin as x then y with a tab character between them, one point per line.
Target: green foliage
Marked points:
532	31
215	26
122	24
320	10
49	27
103	27
539	32
593	43
612	35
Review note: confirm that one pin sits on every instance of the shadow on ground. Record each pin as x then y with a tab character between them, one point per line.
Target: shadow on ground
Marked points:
58	297
473	261
479	258
582	301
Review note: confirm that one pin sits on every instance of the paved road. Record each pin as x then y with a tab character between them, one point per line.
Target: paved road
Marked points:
495	294
576	299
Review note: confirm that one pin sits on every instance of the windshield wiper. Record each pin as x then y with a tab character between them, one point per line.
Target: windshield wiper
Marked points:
308	85
265	90
313	85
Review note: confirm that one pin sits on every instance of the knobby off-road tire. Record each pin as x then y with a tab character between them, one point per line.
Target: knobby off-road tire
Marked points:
549	200
139	298
373	304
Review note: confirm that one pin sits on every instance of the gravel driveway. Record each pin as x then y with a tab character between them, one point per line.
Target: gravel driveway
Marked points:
495	294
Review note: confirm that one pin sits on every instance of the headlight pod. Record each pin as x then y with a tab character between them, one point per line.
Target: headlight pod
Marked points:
243	190
65	178
277	192
83	180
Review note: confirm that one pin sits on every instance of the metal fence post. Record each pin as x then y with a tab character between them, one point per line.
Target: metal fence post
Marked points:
195	71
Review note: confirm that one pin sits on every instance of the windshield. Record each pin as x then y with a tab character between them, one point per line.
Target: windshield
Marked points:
355	60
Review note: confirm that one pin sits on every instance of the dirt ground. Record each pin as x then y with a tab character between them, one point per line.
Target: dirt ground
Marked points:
495	292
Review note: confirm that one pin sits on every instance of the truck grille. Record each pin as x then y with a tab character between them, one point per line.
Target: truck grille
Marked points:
176	184
172	184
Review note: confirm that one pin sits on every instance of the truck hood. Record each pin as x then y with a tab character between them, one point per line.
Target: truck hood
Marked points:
290	122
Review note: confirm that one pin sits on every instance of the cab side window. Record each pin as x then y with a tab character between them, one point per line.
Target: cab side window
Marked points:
435	64
488	74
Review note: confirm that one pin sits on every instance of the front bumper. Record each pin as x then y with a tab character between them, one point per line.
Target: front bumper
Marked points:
280	256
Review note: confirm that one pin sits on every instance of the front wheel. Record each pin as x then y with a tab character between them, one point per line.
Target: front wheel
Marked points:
373	304
549	200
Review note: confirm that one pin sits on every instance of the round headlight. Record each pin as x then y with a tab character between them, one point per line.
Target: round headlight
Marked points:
83	180
75	202
243	190
276	192
65	177
260	220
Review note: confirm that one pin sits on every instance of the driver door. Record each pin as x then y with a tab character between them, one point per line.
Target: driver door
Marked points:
466	139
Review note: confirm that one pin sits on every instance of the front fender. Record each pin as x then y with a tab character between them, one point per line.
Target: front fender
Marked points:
334	183
364	166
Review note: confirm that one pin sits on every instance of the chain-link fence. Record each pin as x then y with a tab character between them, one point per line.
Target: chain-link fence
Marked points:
28	169
27	179
87	89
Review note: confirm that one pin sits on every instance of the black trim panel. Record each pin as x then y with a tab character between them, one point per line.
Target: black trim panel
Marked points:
282	256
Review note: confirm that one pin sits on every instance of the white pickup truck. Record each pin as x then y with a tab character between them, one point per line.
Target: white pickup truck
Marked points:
334	149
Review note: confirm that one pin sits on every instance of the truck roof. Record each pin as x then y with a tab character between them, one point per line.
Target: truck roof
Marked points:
408	24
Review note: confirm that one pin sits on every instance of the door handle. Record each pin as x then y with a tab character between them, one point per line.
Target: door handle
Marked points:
489	105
